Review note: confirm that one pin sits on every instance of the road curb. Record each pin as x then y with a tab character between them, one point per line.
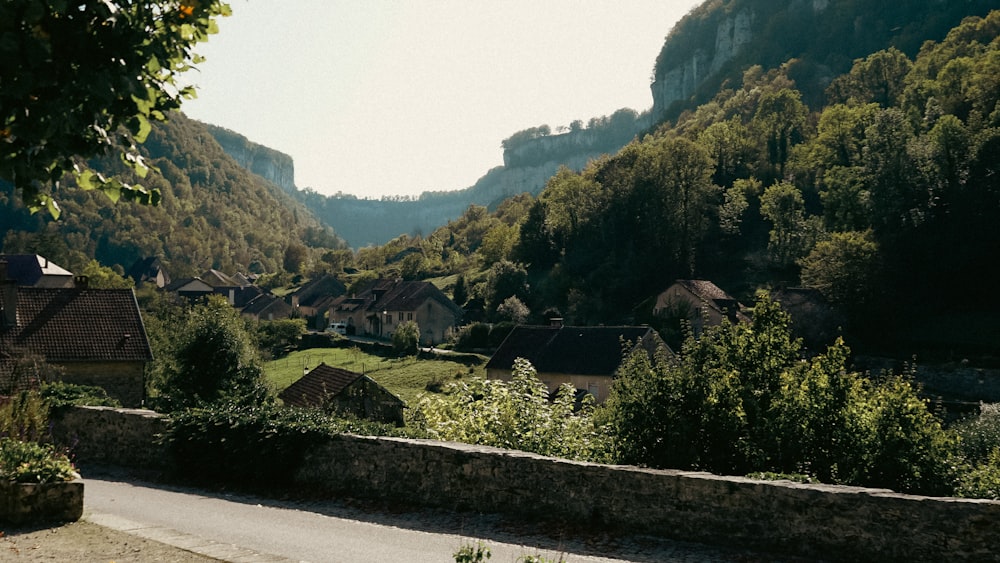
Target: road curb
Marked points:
187	542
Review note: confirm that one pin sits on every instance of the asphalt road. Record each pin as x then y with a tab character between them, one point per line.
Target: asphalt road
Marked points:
235	527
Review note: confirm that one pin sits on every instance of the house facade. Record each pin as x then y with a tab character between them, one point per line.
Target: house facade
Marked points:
699	301
91	336
384	304
584	357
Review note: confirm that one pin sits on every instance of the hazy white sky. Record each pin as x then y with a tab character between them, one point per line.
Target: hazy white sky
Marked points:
393	97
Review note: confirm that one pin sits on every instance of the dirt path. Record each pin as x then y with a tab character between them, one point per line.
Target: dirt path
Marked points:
87	542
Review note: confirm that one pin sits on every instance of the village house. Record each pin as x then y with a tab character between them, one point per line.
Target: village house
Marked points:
32	270
149	270
385	304
344	392
701	302
585	357
312	301
90	336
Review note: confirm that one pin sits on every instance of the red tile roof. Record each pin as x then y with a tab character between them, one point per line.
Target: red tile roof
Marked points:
75	324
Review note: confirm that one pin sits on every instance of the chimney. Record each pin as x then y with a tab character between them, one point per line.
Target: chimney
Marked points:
81	282
8	298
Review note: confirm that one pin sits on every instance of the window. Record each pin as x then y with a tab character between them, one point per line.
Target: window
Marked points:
593	388
409	316
400	316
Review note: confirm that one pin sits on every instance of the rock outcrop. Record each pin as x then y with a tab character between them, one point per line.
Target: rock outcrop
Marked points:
274	166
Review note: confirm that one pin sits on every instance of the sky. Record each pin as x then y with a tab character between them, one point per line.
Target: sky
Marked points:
389	97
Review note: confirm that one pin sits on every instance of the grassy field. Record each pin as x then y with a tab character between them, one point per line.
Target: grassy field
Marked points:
407	378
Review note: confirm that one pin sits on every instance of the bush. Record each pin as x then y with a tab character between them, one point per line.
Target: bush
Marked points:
256	446
515	415
740	399
59	395
25	417
406	339
29	462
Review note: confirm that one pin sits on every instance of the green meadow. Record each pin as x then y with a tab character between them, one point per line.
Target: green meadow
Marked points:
407	378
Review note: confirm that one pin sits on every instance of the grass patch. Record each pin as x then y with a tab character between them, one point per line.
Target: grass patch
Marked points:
405	377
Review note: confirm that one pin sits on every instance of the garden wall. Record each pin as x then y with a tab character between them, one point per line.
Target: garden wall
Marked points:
830	522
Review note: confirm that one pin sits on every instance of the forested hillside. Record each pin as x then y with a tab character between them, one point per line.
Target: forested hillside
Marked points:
214	214
706	51
884	199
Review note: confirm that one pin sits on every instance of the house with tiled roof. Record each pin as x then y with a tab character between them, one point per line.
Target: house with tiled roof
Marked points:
586	357
32	270
385	304
699	301
344	392
267	307
313	300
91	336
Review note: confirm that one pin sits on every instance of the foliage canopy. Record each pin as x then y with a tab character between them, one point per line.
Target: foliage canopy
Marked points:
79	77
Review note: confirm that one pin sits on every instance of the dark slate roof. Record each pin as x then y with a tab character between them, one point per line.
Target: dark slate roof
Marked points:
705	290
218	279
146	269
77	324
28	269
320	290
409	295
394	295
265	302
323	381
595	350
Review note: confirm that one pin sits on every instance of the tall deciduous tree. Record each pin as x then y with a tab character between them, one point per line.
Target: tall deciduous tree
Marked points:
80	77
212	359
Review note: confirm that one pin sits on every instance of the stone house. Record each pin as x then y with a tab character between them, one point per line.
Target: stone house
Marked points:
585	357
91	336
385	304
699	301
344	392
312	301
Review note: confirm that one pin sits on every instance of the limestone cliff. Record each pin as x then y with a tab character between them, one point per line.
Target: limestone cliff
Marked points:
274	166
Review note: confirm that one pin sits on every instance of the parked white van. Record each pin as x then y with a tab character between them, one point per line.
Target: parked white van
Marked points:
339	328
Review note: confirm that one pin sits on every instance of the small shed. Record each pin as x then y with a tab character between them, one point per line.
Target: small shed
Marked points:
344	392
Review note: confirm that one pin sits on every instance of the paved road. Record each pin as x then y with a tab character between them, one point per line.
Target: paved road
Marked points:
243	528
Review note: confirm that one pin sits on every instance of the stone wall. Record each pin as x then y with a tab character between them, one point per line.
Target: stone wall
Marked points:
829	522
34	503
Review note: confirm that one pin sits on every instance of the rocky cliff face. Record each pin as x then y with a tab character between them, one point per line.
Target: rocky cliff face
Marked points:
680	82
274	166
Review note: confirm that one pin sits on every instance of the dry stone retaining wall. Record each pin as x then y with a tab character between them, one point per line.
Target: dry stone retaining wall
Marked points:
829	522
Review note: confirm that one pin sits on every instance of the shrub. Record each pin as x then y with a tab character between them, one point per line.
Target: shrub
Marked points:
515	415
59	394
406	339
253	446
740	399
30	462
24	417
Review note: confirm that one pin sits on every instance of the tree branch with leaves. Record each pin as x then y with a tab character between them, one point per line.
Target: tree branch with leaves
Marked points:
80	78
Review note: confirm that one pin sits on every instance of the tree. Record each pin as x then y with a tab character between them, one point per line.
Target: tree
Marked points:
296	255
792	233
505	279
102	277
844	269
513	309
79	78
212	359
879	79
406	339
741	399
460	293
